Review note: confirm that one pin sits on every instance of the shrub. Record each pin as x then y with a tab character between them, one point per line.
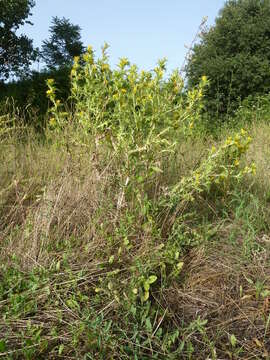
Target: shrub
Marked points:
234	55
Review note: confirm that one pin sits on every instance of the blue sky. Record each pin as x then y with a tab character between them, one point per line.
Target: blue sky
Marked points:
142	30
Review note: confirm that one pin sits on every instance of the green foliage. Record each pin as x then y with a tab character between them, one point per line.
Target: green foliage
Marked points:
254	109
234	54
16	51
29	91
64	43
28	95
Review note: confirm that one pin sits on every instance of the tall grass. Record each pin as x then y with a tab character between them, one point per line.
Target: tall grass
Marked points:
127	234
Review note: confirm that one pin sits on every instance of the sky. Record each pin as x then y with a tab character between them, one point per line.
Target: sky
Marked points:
141	30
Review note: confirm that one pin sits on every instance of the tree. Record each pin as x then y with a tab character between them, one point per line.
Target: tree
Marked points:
16	51
64	44
234	54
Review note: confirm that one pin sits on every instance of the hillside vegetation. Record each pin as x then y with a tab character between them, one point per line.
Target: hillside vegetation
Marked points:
132	229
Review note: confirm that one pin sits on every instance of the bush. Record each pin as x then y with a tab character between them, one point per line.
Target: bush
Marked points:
29	95
234	54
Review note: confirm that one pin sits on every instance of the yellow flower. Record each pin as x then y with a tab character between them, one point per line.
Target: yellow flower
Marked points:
50	81
85	57
243	132
52	121
228	141
123	63
49	92
246	169
105	67
197	178
204	78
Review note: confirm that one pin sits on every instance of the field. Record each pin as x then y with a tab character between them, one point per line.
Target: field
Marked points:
133	229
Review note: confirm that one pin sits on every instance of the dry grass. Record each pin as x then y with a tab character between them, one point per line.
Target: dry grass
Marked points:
260	153
228	292
57	211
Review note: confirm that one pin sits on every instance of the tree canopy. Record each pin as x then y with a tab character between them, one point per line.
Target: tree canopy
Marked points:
16	51
234	54
64	43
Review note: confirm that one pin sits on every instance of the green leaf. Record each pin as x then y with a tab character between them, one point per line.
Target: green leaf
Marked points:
146	296
233	340
265	293
58	265
152	279
126	241
180	265
182	345
250	281
148	325
133	310
61	349
157	169
2	346
146	286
